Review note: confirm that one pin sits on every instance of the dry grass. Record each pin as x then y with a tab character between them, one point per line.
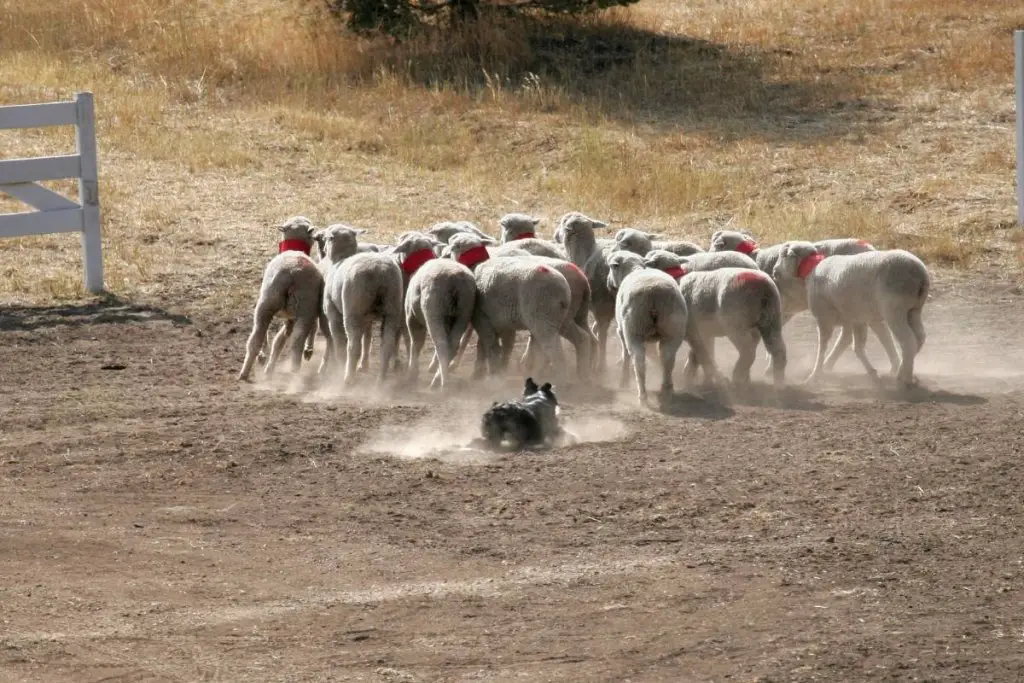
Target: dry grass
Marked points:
890	120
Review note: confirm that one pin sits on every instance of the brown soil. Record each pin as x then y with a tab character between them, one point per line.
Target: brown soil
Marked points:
161	521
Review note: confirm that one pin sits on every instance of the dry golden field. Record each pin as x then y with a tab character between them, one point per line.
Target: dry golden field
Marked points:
891	120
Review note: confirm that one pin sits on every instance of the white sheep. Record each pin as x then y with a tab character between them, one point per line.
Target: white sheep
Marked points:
517	226
797	261
861	290
365	286
291	288
519	294
575	329
605	243
640	242
581	246
740	304
335	243
439	301
648	307
445	230
677	266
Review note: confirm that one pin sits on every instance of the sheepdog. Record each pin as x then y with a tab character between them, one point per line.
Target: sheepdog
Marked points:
526	422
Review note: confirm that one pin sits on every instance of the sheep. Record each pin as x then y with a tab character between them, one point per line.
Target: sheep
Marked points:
639	242
292	287
677	266
863	290
648	307
359	288
445	230
733	240
575	329
605	243
740	304
439	301
581	246
516	294
843	246
335	243
517	226
798	260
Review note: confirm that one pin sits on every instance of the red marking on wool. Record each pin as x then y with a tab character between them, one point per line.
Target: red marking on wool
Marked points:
676	271
746	247
294	245
543	269
525	236
471	257
573	266
416	259
808	265
749	276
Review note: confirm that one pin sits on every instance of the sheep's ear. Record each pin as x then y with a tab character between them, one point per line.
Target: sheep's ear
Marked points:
654	235
621	234
360	231
715	235
536	221
597	225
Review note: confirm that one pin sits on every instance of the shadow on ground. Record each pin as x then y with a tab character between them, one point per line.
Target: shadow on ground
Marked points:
707	406
107	309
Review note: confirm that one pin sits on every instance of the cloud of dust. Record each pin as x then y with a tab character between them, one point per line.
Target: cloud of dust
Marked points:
426	440
590	429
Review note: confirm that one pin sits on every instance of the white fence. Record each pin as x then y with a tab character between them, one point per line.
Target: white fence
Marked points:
1018	42
19	178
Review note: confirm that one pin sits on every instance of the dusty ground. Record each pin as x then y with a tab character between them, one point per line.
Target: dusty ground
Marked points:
161	521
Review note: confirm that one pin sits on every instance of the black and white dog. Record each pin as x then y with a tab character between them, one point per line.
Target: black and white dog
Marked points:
526	422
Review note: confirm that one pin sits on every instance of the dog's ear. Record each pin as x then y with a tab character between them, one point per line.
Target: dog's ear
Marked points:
530	387
547	388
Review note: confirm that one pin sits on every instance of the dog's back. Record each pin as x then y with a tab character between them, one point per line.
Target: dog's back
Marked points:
531	420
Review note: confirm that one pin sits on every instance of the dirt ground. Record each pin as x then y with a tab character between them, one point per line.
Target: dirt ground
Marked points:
160	521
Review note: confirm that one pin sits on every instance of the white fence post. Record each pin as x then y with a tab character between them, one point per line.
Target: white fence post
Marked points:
1018	41
19	178
89	192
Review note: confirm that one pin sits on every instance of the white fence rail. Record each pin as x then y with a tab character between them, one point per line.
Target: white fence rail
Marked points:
56	213
1018	43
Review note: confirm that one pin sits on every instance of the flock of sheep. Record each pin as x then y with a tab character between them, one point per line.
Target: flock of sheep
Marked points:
453	280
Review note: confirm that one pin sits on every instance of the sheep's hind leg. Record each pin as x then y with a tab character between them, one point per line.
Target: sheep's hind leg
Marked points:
900	324
277	345
843	343
261	319
825	330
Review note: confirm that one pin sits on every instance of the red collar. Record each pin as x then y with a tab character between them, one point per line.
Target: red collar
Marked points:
525	236
808	264
676	271
413	261
473	256
747	247
294	245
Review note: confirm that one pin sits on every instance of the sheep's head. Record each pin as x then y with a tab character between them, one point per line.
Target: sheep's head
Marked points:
445	230
577	225
467	249
621	264
733	240
672	264
297	234
515	226
413	250
797	261
636	241
339	241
